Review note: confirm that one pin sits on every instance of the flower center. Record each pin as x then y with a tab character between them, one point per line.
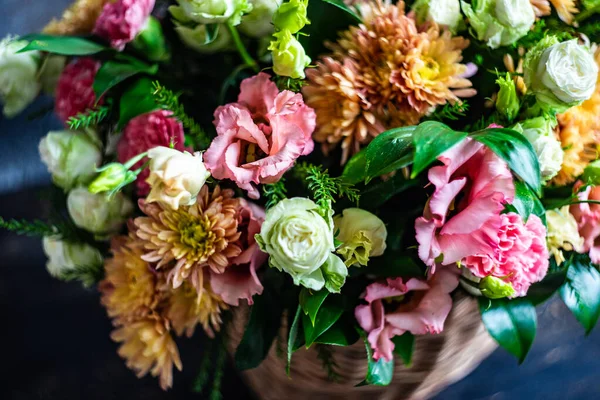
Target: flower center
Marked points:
430	70
196	234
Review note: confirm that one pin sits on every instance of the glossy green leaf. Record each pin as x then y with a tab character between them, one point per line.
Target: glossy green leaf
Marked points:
356	168
379	192
111	73
393	264
404	346
331	311
431	139
65	45
342	333
390	149
341	5
581	292
540	292
380	372
292	336
524	200
311	301
212	31
512	323
136	100
516	150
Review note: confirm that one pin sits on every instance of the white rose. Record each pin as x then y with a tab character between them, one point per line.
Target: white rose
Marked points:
71	157
562	233
50	72
258	22
362	233
298	240
175	177
64	256
210	11
18	80
98	213
540	133
517	14
443	12
568	70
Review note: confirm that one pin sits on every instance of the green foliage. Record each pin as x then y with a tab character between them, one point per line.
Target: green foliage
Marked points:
136	100
404	346
388	152
111	73
381	372
581	291
325	355
526	202
65	45
87	275
287	83
37	228
167	100
539	292
292	337
379	192
324	188
203	376
330	311
452	112
274	193
431	139
512	323
90	118
215	393
311	301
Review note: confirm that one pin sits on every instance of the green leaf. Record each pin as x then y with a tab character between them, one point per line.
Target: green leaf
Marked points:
136	100
328	314
390	149
65	45
378	193
292	336
512	323
341	5
524	200
111	73
342	333
311	301
516	150
380	372
355	169
212	31
393	264
431	139
581	292
539	292
404	346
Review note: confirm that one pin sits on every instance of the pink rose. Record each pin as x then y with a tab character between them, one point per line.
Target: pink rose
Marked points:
145	132
260	136
122	20
477	185
520	255
587	216
239	280
74	91
425	311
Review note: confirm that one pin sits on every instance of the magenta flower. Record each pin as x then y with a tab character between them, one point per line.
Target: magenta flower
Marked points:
261	136
425	312
74	91
122	20
587	216
145	132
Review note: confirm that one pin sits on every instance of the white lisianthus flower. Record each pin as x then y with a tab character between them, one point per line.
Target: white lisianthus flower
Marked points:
562	234
540	133
211	11
197	38
362	233
299	241
175	177
442	12
289	57
258	23
18	76
64	256
98	213
71	157
499	22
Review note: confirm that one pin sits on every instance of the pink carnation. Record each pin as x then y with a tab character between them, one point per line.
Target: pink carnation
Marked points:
145	132
425	312
122	20
74	92
260	136
239	281
587	216
520	255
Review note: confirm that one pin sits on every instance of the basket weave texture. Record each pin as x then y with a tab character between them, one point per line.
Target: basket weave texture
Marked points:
438	361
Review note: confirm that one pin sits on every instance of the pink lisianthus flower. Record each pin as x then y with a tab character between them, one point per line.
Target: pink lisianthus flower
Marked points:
476	184
261	136
239	280
425	312
520	255
121	21
587	216
145	132
74	91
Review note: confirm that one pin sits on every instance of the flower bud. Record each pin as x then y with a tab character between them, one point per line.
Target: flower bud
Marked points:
507	102
64	256
442	12
362	235
291	16
71	157
175	177
211	11
289	57
18	74
151	41
495	288
198	38
334	272
257	23
540	133
98	213
113	177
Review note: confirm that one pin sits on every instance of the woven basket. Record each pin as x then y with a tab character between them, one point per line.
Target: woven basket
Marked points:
438	361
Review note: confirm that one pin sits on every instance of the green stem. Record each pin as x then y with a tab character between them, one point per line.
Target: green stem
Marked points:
587	13
237	40
134	160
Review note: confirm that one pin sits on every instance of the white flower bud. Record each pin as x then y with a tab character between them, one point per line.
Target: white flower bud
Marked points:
258	22
540	133
98	213
64	256
442	12
211	11
18	76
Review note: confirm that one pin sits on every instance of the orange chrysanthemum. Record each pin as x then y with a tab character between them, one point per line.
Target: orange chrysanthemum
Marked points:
147	346
202	235
564	8
383	73
79	19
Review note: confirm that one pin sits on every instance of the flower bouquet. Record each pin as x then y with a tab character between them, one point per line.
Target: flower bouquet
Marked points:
325	175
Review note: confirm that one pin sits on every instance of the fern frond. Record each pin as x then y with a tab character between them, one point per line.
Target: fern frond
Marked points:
89	118
324	188
88	275
274	193
325	355
452	112
291	84
35	228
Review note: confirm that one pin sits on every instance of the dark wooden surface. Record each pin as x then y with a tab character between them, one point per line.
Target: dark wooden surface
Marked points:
54	335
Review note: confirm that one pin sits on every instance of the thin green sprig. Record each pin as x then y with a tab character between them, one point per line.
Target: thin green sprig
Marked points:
325	189
35	228
325	355
88	118
274	193
452	112
88	275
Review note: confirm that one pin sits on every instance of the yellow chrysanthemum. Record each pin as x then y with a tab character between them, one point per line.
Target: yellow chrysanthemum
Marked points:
78	19
129	287
147	346
383	73
204	234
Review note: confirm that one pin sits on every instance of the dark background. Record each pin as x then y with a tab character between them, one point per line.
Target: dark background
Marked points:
54	336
